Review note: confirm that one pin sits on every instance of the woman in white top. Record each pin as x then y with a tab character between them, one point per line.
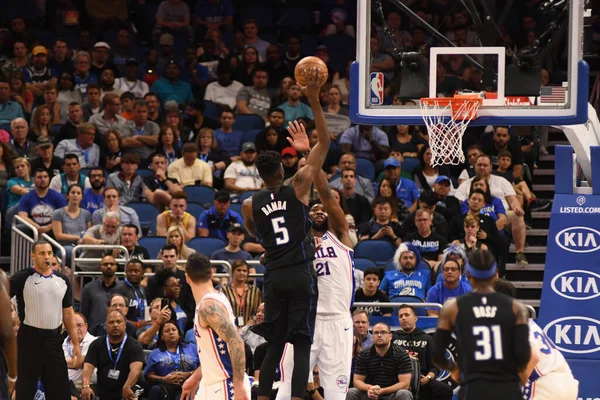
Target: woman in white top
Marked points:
424	174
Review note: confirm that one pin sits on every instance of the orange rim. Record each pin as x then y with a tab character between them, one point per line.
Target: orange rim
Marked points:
456	103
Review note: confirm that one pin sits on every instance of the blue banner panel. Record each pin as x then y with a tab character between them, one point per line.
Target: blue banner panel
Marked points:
586	372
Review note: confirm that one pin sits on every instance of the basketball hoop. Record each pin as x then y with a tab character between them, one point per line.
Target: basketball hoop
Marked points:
445	138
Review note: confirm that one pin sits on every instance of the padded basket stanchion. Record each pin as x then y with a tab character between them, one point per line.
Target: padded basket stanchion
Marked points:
445	138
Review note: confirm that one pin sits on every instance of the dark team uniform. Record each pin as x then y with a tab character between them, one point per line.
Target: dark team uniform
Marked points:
3	367
290	285
484	328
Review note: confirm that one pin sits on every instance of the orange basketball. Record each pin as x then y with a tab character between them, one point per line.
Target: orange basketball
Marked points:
310	62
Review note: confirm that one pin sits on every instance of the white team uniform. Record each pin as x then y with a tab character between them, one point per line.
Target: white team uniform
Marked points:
331	350
552	378
215	361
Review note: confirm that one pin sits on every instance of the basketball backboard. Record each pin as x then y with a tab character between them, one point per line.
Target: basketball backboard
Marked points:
500	47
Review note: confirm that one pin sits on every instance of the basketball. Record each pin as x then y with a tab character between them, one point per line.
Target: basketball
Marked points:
310	62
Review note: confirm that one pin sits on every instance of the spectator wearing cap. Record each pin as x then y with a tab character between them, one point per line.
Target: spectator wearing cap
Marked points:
428	202
141	135
255	99
38	74
289	160
405	188
173	16
196	121
19	145
83	146
110	117
100	59
215	221
366	141
177	215
224	90
233	251
122	52
130	82
227	138
294	108
242	175
46	158
127	181
189	169
83	75
447	205
9	110
170	87
252	39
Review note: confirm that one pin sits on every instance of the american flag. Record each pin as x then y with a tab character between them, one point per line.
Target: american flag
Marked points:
553	95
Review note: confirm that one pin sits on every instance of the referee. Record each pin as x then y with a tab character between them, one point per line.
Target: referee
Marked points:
44	303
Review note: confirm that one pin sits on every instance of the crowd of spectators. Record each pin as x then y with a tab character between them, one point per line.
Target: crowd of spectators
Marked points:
90	128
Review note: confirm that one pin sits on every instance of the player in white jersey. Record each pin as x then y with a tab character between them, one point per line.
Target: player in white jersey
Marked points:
221	350
551	378
334	264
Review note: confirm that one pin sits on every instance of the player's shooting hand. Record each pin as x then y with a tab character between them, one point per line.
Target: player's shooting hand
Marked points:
298	138
313	86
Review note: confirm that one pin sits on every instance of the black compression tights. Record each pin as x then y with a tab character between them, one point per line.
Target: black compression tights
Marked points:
271	361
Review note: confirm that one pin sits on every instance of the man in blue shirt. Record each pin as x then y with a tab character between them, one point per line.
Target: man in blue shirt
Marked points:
366	141
406	279
93	198
228	139
215	221
9	110
233	251
405	189
452	286
170	87
37	206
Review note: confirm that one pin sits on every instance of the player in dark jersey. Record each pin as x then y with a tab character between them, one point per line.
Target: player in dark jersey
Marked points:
8	343
492	336
278	217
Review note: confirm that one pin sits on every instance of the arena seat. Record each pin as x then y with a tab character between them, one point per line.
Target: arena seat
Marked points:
245	196
199	194
363	264
212	110
379	251
145	173
146	211
195	209
250	136
237	207
248	122
153	244
206	245
365	168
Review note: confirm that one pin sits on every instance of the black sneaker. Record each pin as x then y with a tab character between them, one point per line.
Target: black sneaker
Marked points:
539	204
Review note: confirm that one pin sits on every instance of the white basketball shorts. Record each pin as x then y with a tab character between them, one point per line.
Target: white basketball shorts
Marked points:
220	390
555	386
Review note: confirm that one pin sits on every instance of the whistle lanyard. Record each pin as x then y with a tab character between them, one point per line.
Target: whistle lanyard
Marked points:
138	299
118	354
204	157
241	299
138	131
170	157
176	357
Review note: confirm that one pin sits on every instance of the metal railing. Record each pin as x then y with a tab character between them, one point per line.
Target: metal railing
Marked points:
392	305
532	312
20	245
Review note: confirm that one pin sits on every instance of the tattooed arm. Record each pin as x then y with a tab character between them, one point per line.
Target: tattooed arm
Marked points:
213	315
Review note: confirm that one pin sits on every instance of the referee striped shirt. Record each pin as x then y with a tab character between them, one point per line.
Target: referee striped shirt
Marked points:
41	299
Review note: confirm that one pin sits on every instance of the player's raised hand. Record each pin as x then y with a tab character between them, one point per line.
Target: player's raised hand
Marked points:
313	86
298	138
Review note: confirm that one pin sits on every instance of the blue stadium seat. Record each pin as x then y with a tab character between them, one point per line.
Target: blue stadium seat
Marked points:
260	269
245	196
236	207
409	164
421	311
153	244
212	110
365	168
206	245
341	49
199	194
146	211
295	17
308	44
248	122
250	136
379	251
56	129
145	173
363	263
5	127
262	14
195	209
152	228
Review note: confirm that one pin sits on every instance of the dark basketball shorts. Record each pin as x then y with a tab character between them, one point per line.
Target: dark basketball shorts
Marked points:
290	295
491	390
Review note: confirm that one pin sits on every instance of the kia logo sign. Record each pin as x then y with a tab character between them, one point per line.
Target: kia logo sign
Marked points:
578	239
576	284
576	335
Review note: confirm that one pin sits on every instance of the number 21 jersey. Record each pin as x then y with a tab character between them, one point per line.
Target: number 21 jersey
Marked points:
282	227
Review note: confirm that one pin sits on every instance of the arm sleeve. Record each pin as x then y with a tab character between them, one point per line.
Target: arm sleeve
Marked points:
137	352
55	183
85	303
414	192
383	286
463	190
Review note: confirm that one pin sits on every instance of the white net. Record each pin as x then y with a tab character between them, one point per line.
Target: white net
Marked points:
445	138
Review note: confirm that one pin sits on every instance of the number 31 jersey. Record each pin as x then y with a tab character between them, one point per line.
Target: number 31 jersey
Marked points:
282	227
334	265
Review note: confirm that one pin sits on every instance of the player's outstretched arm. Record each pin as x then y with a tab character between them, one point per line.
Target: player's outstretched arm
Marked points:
337	219
521	346
248	218
213	315
443	336
318	154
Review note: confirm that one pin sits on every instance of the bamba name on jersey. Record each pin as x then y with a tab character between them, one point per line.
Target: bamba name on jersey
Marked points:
274	206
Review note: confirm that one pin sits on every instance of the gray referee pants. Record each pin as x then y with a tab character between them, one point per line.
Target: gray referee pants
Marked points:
40	356
355	394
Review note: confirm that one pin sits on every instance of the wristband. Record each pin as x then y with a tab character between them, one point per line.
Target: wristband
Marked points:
137	324
157	322
312	391
11	379
85	386
429	377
